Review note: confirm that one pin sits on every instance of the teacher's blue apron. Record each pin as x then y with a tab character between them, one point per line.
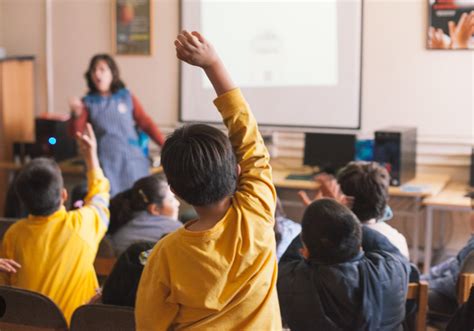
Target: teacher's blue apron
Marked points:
120	154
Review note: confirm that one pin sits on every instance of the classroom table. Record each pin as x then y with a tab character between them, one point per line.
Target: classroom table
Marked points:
68	167
451	198
416	190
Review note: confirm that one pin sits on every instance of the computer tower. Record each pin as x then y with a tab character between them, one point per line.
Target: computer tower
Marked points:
395	149
53	139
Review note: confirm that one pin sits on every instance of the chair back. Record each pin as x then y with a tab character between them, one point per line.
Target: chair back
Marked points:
465	283
419	293
103	317
23	310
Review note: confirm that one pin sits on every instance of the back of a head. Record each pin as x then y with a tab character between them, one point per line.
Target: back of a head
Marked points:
368	183
200	164
331	232
121	286
39	186
146	190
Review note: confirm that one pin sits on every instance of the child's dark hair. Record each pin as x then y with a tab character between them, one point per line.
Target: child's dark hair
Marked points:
121	286
200	164
39	186
368	183
116	84
145	191
331	232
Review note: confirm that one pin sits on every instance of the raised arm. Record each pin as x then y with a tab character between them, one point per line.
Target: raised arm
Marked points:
92	220
79	116
145	122
255	180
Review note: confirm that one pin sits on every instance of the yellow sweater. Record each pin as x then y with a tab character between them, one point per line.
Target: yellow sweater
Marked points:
223	278
57	252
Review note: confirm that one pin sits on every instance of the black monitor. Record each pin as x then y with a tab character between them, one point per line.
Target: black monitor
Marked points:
328	151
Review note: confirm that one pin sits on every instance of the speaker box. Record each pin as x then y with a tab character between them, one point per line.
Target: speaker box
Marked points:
53	139
395	149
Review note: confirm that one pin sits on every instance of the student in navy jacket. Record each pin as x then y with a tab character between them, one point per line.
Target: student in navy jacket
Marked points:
351	277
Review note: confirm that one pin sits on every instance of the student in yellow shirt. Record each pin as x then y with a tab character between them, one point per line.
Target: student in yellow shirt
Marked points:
56	248
219	271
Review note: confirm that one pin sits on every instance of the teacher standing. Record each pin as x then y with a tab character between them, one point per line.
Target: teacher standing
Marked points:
116	115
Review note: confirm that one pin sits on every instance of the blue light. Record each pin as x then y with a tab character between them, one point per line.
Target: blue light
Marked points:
52	141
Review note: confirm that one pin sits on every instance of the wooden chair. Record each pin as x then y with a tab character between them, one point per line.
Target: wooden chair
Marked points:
419	292
105	259
104	265
22	310
465	282
103	317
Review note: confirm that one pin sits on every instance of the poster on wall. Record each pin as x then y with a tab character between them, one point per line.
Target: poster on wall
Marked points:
132	27
451	24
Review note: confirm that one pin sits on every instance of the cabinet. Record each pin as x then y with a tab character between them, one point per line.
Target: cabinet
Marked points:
16	110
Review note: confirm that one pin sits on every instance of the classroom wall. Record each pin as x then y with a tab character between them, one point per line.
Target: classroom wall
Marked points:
403	83
22	25
82	28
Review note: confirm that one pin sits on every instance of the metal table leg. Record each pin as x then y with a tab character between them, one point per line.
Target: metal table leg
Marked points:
428	239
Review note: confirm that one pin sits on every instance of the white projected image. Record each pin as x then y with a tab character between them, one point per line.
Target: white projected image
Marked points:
274	43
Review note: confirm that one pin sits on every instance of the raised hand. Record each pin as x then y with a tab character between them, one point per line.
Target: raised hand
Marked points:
88	147
194	49
76	106
437	39
328	188
462	32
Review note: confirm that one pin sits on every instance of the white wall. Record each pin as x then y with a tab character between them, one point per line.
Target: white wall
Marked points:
404	83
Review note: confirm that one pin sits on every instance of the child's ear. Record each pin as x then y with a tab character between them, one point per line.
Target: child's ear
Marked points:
153	209
64	196
238	170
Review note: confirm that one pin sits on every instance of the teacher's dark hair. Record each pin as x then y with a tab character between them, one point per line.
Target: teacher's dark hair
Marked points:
116	84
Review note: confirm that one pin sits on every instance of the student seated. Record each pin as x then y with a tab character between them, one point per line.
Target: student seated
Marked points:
145	212
55	248
443	278
218	272
351	277
363	186
120	288
286	230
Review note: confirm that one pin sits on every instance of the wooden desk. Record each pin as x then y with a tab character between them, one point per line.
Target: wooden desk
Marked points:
421	187
452	198
67	167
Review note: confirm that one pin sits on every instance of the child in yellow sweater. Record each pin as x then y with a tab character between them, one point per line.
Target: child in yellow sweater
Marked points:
219	271
56	248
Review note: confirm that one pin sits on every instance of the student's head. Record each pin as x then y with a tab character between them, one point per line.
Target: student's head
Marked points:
103	76
367	183
331	233
40	187
200	164
151	194
121	286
